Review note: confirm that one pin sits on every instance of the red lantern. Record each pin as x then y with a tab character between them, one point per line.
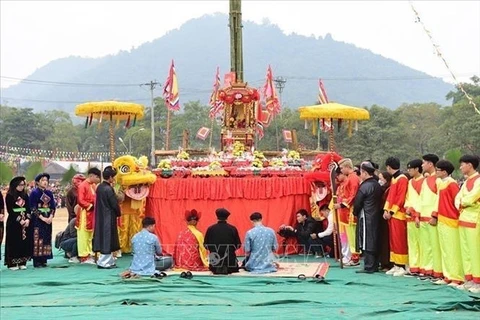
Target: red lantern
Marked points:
246	99
229	99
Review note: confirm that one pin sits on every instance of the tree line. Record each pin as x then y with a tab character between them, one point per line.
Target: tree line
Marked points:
406	132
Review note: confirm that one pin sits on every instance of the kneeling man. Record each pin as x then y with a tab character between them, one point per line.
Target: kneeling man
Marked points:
260	245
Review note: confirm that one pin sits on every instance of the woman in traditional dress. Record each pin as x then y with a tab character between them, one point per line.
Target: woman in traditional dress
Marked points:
18	242
42	204
385	179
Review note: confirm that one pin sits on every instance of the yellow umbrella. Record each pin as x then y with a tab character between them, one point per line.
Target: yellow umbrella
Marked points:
331	111
110	111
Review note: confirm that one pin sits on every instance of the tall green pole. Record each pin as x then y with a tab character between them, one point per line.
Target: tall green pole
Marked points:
236	45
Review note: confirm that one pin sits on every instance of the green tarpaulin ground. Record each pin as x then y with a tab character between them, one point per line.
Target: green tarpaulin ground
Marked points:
64	291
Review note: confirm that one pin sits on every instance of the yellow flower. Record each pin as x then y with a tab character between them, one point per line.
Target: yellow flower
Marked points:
165	164
183	155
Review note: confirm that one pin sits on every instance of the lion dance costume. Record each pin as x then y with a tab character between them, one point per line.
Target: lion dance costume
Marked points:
133	181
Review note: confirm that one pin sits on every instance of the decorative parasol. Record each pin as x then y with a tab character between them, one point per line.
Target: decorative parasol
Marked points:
111	111
332	111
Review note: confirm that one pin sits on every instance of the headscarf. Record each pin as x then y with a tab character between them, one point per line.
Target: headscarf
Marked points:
77	179
41	175
222	214
368	167
12	189
192	215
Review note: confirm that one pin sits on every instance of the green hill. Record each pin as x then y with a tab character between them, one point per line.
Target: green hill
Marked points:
202	44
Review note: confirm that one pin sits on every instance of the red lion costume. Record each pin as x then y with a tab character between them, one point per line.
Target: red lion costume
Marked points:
320	177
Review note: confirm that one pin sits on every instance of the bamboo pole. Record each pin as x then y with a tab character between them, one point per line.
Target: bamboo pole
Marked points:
167	133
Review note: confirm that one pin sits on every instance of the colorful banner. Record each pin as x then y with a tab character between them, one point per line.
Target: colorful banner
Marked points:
170	90
271	100
216	105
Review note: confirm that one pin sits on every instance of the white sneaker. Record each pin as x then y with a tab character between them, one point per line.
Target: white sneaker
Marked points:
475	288
89	261
14	268
453	284
466	286
392	271
399	273
118	254
440	282
73	260
22	267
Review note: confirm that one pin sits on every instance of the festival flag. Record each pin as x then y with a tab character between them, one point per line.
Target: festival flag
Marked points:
325	125
216	105
259	127
271	100
322	94
170	90
287	135
203	133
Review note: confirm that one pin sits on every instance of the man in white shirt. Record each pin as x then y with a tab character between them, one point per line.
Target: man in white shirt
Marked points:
322	242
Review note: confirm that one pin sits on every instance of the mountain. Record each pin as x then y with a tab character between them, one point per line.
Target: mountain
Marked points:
200	45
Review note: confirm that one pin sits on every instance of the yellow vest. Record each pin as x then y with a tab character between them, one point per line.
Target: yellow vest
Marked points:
428	197
468	202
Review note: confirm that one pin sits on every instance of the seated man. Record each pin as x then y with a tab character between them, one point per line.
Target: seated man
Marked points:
190	254
260	244
147	251
222	240
68	242
322	242
304	228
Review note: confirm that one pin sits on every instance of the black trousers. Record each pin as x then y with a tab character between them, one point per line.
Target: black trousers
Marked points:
370	261
317	244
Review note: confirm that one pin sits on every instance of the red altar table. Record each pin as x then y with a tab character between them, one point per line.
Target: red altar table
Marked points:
276	198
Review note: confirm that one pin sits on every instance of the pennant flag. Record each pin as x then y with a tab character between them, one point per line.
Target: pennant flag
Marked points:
325	125
287	135
216	105
260	130
322	94
170	90
259	127
271	100
202	133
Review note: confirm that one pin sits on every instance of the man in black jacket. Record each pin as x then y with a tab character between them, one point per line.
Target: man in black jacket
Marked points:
305	226
367	208
222	240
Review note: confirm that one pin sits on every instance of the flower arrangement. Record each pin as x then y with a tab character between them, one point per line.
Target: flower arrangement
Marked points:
165	164
183	155
293	155
215	165
277	163
258	155
238	149
257	163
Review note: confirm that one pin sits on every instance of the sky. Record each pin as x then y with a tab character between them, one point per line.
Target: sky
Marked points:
33	33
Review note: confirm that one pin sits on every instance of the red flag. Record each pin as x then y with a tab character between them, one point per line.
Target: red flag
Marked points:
203	133
271	100
322	94
287	135
170	90
216	105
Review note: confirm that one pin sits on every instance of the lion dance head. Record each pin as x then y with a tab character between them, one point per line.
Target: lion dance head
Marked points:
134	176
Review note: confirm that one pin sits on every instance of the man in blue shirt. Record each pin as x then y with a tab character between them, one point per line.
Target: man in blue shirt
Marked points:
260	245
147	251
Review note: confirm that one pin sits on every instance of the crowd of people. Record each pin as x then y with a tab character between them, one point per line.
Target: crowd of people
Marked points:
91	236
421	223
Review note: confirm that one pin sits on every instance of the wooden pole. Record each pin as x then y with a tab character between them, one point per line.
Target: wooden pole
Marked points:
111	132
211	134
167	133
